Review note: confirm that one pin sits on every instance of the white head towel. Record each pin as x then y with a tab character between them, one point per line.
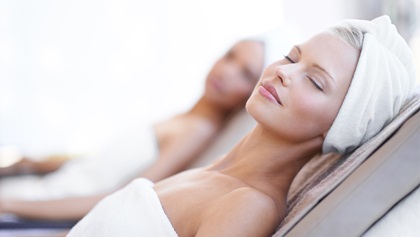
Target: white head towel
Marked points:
382	81
277	42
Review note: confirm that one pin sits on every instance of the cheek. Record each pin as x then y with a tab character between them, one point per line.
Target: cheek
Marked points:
235	96
219	69
313	113
240	89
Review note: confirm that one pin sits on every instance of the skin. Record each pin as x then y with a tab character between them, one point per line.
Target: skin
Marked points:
228	86
233	77
244	194
181	138
307	110
29	166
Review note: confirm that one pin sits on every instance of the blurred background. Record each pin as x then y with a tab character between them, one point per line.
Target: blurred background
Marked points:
75	73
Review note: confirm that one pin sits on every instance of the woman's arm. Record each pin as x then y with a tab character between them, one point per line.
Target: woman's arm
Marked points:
28	166
181	143
61	209
172	159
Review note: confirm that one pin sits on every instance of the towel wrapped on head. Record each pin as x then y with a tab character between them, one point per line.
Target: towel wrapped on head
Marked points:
383	79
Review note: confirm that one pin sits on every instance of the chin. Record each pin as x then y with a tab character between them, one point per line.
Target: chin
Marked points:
248	106
256	111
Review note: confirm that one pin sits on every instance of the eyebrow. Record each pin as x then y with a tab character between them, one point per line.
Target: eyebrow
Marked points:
325	71
316	65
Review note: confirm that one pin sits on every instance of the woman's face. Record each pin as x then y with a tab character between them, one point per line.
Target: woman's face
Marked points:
233	77
299	96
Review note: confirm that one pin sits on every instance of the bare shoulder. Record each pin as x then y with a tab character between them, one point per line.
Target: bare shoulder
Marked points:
243	212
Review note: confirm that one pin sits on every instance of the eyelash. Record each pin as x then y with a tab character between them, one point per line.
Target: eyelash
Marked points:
289	59
310	79
315	84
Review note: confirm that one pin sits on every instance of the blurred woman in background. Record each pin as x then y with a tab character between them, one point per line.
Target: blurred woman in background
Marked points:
163	150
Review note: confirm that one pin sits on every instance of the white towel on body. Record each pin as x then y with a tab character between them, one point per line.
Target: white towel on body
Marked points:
384	77
121	161
132	211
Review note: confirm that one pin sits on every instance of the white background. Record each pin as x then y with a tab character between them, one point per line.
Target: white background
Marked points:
74	73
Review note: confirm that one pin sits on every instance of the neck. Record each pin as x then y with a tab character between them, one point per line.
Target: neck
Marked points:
267	162
212	112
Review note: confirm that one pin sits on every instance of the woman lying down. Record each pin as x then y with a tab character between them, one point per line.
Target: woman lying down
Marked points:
329	94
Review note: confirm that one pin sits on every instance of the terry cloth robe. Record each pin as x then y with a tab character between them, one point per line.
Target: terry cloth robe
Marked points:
132	211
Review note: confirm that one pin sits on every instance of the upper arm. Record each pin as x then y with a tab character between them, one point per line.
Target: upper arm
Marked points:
58	209
173	158
177	153
244	212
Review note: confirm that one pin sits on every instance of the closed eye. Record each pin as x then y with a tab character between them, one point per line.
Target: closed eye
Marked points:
316	85
289	59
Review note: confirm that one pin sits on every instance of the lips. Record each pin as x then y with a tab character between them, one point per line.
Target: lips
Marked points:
270	88
216	84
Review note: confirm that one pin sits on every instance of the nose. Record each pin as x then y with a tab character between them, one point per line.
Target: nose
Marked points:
283	74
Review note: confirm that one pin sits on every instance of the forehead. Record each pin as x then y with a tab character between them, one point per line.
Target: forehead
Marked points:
249	50
333	54
247	46
250	54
